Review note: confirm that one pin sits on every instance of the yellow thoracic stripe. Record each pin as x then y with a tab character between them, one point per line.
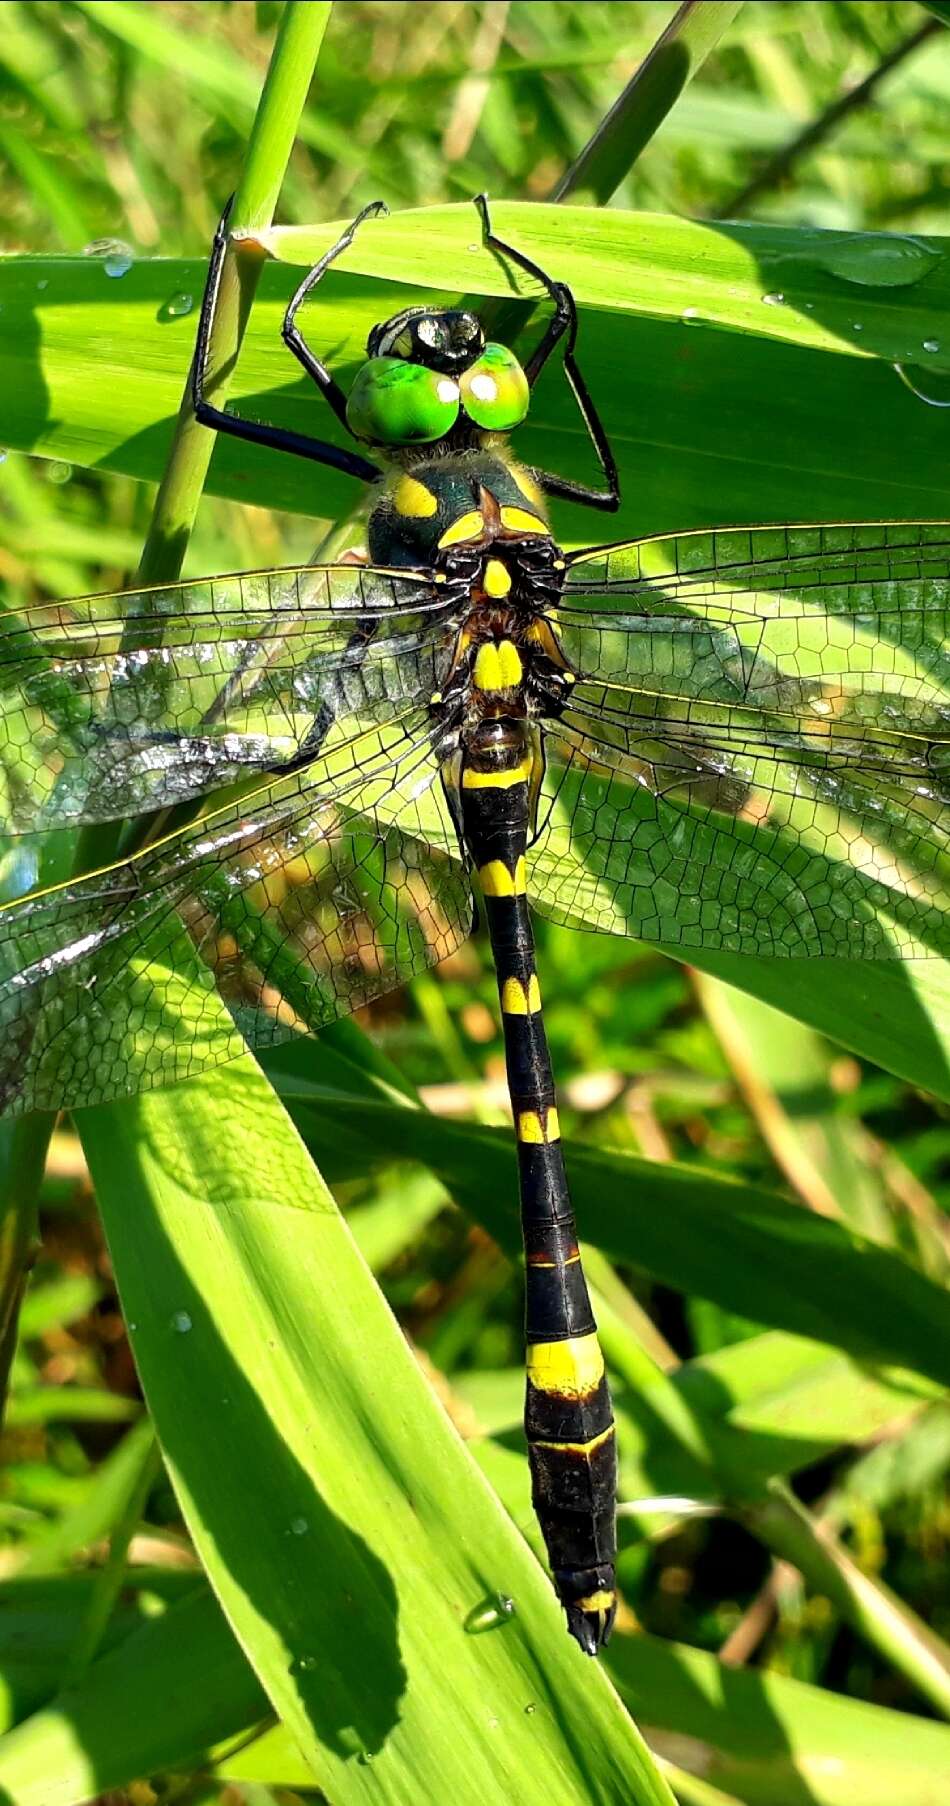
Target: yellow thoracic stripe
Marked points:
497	579
574	1368
516	1001
413	499
526	484
580	1448
531	1128
468	526
495	780
497	881
518	520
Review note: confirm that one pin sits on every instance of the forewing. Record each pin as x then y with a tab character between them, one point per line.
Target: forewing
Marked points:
114	705
756	756
269	918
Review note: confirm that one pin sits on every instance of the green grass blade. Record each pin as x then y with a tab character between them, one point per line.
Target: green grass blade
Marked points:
341	1522
770	1739
637	115
682	402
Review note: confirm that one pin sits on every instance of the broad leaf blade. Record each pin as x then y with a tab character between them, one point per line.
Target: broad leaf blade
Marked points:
344	1527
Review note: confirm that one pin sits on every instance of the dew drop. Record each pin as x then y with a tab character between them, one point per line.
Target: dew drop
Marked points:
117	258
299	1526
59	472
529	1708
43	283
773	300
876	259
688	314
911	376
931	345
304	1664
180	304
3	455
181	1322
490	1613
856	326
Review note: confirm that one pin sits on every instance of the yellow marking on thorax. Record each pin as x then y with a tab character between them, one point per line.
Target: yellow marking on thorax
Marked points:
496	780
516	1000
497	881
413	499
468	526
574	1368
497	667
518	520
580	1448
530	1127
526	484
497	579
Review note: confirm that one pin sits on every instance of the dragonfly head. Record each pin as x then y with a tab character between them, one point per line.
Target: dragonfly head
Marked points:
445	339
429	368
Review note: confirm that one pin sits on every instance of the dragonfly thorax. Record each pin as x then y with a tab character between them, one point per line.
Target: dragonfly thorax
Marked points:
472	518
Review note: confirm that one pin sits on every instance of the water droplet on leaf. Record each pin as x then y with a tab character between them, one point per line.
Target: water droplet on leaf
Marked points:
912	376
117	257
875	259
181	1322
176	306
490	1613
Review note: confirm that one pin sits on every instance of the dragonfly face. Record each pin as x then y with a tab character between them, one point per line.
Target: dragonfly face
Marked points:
735	740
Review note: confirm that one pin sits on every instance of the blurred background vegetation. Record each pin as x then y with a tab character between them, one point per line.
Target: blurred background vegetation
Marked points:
128	122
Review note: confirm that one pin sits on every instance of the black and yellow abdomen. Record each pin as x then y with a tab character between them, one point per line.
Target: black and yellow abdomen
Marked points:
568	1417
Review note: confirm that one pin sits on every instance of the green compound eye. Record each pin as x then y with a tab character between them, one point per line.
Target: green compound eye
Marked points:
393	402
495	390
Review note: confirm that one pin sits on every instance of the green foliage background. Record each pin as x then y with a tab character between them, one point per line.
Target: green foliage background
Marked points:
815	1197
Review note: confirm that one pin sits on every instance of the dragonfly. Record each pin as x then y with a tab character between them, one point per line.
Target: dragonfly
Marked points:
733	739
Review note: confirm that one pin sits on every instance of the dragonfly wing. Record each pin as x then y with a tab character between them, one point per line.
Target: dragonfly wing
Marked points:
268	918
118	704
757	755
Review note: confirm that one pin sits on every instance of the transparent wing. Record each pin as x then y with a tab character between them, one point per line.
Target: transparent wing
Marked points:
757	755
270	917
114	705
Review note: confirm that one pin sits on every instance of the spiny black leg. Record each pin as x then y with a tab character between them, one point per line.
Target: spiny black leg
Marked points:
256	432
559	293
290	332
564	321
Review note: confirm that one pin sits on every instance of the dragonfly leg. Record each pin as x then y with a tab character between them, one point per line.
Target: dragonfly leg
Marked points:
563	325
290	332
256	432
